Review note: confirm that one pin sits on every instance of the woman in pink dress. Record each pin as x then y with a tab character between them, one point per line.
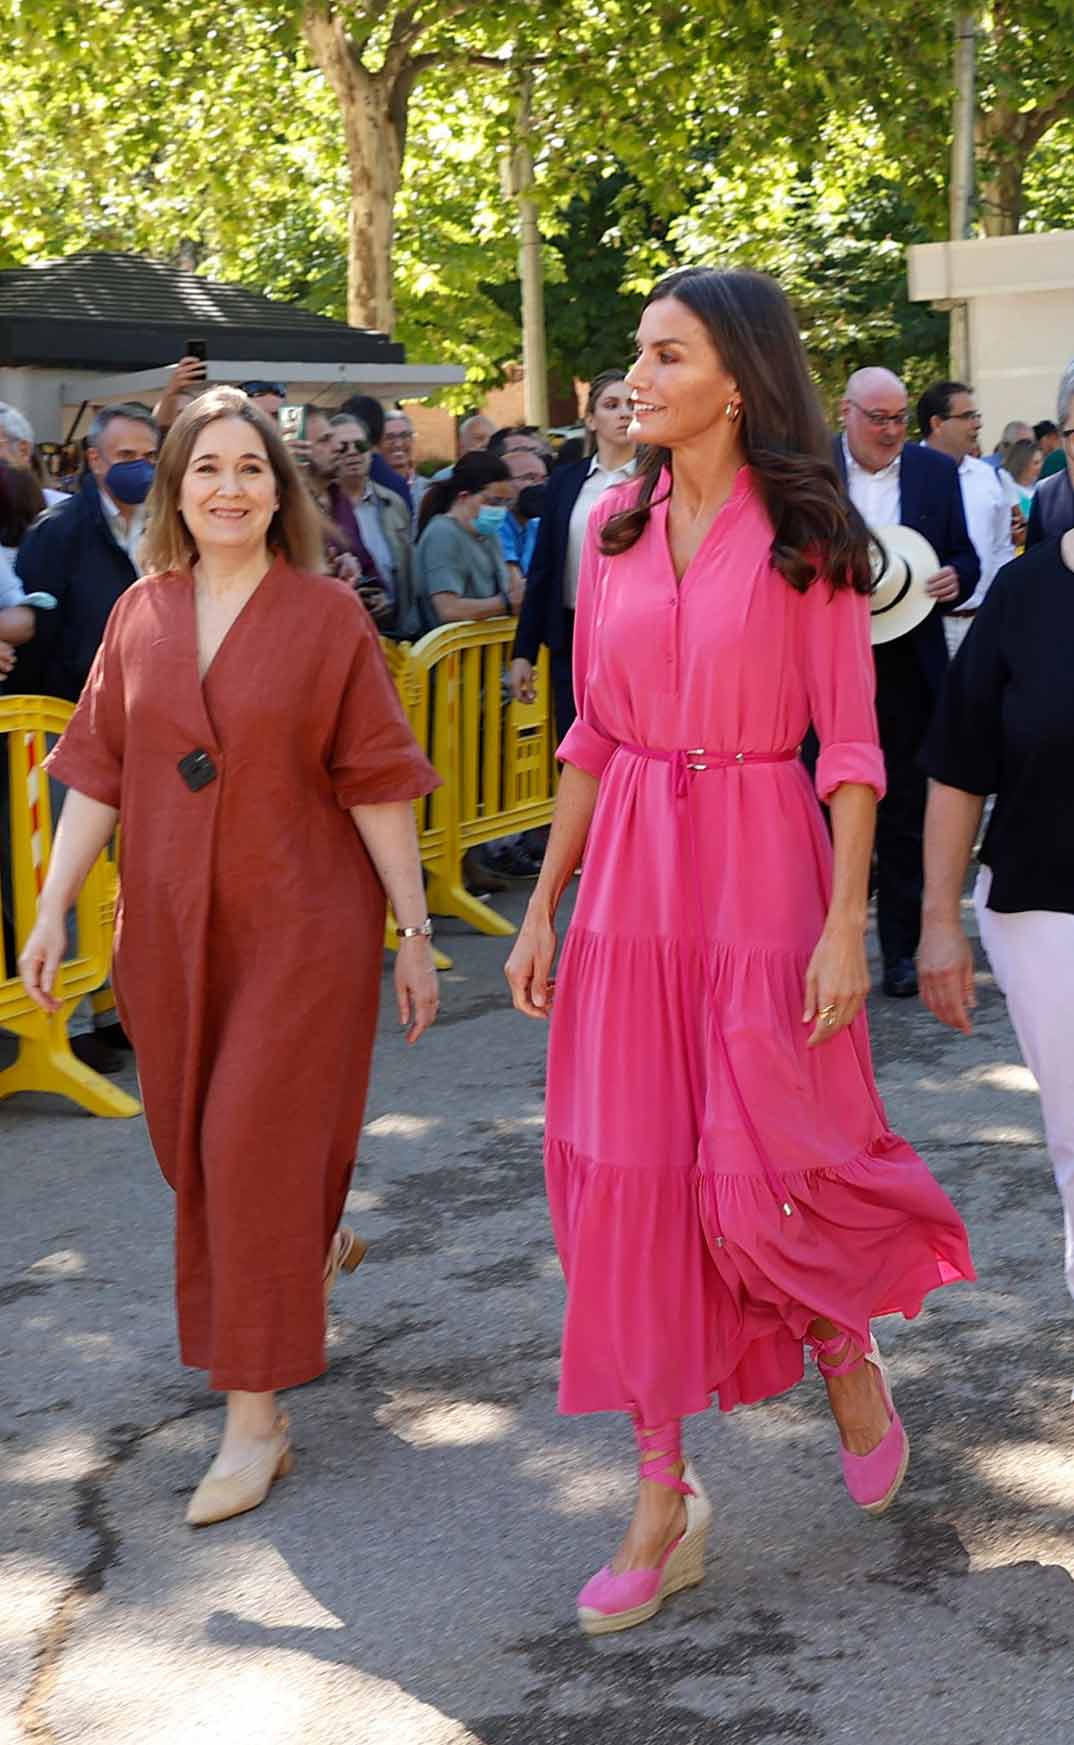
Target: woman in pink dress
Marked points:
723	1183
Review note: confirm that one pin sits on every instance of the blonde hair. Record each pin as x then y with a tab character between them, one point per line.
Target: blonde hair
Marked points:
296	529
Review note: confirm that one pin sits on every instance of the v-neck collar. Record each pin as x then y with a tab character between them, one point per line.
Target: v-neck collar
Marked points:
230	636
740	493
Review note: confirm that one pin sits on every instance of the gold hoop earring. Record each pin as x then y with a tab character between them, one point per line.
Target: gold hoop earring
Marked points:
732	411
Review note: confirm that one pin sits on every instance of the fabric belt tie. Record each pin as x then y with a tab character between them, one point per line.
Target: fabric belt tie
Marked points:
684	765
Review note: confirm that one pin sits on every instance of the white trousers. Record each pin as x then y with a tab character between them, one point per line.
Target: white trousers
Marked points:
1032	958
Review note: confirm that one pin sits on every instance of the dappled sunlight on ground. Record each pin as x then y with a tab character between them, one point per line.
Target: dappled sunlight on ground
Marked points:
1004	1076
398	1126
1036	1471
445	1423
62	1456
61	1263
412	1581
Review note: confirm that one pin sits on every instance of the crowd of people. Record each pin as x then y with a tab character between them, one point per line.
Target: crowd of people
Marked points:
418	551
721	582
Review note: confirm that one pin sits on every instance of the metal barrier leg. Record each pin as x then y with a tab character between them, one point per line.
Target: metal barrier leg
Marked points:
447	897
45	1063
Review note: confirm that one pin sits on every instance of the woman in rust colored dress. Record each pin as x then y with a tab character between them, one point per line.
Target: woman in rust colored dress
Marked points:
240	723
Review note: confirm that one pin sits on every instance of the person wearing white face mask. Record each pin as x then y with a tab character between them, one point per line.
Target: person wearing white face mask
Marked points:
461	572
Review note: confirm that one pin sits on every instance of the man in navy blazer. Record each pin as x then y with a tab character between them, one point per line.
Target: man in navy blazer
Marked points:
891	481
544	617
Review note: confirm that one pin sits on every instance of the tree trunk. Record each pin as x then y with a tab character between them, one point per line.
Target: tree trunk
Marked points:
1003	152
370	115
375	163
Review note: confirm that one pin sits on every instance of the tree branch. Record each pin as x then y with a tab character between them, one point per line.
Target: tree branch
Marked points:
399	102
1038	122
407	31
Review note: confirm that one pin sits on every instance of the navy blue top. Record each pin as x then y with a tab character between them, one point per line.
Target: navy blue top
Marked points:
70	552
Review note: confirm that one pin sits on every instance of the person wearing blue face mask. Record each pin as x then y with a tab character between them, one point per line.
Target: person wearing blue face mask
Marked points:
84	552
461	572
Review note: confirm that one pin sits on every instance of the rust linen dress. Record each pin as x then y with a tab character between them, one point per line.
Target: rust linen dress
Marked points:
249	939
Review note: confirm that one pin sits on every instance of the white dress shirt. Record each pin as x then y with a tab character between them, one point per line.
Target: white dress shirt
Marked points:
988	518
598	480
876	496
126	533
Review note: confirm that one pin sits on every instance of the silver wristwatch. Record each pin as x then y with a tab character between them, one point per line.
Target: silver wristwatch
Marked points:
425	931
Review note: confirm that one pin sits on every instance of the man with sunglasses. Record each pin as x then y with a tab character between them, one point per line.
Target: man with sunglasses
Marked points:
893	482
375	524
949	422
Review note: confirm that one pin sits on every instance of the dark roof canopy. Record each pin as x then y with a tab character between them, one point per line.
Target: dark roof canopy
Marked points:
124	311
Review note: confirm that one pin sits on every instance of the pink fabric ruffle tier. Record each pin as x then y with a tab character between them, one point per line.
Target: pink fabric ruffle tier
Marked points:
685	1109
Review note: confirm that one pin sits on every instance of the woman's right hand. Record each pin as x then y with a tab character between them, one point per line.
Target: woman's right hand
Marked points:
529	967
523	688
945	972
41	957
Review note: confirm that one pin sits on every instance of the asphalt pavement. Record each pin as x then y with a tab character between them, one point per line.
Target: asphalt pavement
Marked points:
412	1582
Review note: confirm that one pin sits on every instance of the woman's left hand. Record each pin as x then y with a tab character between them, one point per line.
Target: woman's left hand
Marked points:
837	981
416	988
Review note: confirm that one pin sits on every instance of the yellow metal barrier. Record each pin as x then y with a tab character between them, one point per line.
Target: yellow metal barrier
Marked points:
497	758
45	1061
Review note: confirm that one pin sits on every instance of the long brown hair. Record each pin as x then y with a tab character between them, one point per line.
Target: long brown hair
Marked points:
295	530
816	530
592	401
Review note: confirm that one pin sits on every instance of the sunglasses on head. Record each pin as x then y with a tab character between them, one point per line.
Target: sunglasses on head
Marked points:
251	389
357	443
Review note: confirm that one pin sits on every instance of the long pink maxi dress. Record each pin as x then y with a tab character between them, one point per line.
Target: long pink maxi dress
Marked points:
714	1184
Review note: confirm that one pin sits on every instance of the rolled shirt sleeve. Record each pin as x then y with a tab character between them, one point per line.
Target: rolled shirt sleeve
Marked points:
841	685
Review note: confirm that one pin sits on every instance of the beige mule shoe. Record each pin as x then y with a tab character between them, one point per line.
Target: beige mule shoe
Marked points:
218	1499
346	1253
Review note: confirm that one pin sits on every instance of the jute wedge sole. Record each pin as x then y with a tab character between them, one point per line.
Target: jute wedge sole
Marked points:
684	1568
605	1603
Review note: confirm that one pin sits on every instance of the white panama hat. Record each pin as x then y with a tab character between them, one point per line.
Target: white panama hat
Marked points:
902	565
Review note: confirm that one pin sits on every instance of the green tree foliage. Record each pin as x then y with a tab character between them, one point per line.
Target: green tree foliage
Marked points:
667	132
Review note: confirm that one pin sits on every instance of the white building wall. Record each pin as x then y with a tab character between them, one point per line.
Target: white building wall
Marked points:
1020	294
1020	344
